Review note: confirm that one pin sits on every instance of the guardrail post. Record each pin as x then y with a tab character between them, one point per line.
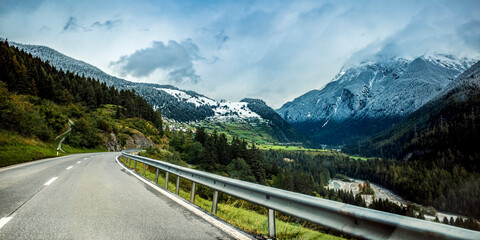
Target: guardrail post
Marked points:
177	186
135	167
214	202
166	180
156	175
271	224
192	193
144	167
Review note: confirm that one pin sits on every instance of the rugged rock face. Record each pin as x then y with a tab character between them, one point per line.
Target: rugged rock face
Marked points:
113	145
370	97
138	140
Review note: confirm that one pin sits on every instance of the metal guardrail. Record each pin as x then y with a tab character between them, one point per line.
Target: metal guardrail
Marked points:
353	220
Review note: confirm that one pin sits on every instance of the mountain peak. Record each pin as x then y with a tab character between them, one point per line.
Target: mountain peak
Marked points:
371	96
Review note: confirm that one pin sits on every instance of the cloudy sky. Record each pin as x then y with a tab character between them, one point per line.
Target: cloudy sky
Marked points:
273	50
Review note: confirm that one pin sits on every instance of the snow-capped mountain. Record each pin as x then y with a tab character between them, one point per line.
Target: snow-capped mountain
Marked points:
369	97
176	104
222	109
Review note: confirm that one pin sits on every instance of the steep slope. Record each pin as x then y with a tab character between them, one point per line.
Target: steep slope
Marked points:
283	131
37	101
445	130
370	97
170	106
175	104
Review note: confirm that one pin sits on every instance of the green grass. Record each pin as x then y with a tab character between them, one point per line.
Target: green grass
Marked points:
232	212
289	148
17	149
253	131
69	149
358	157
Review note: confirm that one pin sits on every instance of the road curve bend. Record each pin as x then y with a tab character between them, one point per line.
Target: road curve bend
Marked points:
90	196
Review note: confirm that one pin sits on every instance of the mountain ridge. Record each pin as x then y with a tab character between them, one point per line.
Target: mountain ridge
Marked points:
371	96
175	104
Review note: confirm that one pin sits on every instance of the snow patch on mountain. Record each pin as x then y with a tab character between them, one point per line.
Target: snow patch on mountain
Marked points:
226	109
183	96
222	109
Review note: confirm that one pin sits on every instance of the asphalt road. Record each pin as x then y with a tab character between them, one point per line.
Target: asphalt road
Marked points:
91	197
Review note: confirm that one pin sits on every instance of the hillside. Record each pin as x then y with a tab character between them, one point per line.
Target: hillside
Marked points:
184	106
37	101
370	97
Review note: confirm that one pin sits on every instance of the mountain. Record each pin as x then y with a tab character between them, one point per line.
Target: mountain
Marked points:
370	97
445	130
283	131
179	105
38	102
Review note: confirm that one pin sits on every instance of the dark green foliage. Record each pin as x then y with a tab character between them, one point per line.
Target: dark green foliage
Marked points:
25	74
366	188
239	169
45	90
29	116
387	206
84	135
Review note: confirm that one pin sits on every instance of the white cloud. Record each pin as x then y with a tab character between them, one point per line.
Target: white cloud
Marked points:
270	50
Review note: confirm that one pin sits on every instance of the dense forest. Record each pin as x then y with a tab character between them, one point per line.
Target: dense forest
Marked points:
24	74
37	100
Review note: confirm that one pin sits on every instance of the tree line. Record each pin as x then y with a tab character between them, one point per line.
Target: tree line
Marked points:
28	75
37	100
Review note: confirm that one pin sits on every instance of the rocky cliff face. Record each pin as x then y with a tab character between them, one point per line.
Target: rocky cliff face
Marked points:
138	140
113	145
135	140
370	97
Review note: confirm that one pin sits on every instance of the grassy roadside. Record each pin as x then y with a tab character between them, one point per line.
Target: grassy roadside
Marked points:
17	149
232	212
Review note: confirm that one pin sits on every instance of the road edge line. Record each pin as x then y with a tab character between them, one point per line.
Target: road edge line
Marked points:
206	216
5	220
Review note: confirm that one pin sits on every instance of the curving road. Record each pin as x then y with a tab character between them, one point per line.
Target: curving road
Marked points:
90	196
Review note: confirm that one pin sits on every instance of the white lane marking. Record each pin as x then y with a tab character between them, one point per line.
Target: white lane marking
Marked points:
85	159
5	220
227	229
50	181
79	161
69	167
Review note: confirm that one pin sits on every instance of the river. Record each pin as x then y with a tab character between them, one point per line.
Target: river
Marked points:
380	193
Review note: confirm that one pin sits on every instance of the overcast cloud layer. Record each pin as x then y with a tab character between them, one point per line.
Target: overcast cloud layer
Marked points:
273	50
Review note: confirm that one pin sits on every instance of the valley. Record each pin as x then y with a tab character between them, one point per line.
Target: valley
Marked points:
383	193
250	141
254	119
